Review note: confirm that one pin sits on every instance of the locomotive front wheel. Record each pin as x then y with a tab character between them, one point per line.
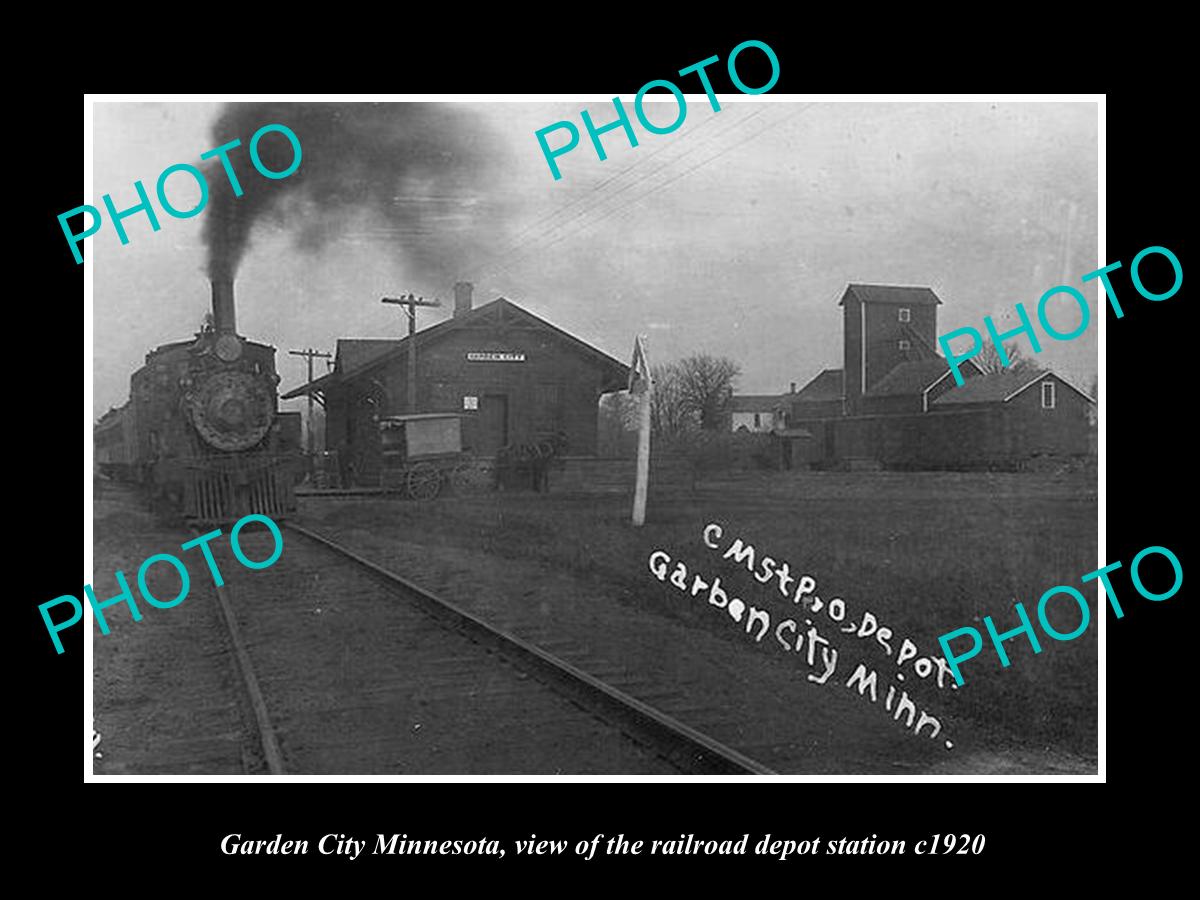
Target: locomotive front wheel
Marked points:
424	481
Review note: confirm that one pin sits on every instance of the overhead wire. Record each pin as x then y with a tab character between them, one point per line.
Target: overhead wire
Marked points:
640	161
656	188
518	246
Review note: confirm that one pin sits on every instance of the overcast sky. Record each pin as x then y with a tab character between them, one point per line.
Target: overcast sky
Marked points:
735	235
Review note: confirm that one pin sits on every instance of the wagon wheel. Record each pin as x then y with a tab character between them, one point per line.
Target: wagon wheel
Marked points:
424	481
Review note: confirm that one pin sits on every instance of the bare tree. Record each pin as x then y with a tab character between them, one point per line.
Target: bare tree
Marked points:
989	360
706	385
669	414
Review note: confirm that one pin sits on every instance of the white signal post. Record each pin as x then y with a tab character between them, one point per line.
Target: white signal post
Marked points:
641	385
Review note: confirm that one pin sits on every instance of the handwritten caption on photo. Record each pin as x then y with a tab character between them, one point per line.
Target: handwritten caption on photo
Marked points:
185	581
814	649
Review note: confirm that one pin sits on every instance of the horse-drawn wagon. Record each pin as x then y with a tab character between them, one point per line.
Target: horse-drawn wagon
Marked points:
422	453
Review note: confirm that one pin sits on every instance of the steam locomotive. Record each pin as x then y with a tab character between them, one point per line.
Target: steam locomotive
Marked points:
202	429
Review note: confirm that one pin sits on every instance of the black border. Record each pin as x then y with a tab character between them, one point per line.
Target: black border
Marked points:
1147	477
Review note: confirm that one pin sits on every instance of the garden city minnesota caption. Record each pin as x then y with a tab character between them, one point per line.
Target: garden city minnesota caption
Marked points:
685	845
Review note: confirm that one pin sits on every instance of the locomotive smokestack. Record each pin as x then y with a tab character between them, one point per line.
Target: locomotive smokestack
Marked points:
224	315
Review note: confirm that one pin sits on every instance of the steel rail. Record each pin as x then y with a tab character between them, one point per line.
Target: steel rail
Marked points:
266	732
683	745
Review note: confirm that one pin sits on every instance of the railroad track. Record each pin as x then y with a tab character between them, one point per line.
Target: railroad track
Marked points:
350	668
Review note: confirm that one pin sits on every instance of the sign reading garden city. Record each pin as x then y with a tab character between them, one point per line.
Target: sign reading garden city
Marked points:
494	356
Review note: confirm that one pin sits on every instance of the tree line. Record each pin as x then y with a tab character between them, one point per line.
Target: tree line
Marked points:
690	395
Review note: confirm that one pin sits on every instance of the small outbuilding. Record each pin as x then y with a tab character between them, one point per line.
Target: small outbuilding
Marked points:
760	413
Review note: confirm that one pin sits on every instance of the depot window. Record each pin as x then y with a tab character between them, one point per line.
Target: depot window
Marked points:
1048	397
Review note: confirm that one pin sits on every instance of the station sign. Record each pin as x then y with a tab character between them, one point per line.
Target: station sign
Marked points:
494	356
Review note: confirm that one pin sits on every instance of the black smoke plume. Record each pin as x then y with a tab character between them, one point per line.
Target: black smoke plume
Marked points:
420	170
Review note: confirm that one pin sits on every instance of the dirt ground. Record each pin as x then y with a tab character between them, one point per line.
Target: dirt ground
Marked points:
926	552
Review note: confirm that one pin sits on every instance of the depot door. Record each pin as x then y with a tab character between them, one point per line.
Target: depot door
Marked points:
493	423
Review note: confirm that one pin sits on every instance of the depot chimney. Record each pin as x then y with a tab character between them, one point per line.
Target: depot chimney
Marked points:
224	317
462	298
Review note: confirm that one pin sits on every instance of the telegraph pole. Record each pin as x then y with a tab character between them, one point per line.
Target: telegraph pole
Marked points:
310	354
410	304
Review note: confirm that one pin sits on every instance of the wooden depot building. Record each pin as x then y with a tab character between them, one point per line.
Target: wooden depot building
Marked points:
512	376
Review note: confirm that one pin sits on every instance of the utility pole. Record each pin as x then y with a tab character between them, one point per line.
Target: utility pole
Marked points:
310	354
410	304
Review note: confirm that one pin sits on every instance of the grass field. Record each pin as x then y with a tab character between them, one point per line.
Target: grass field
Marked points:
925	552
